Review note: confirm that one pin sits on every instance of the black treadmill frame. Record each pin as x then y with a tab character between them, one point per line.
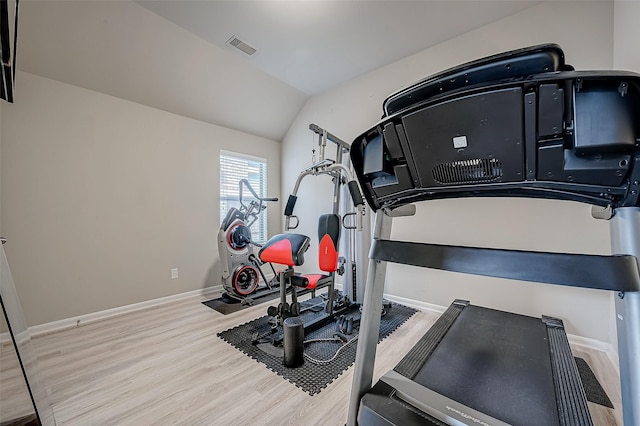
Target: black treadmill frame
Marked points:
398	184
409	187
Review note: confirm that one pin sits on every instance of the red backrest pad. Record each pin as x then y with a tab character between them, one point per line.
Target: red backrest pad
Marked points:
327	255
329	235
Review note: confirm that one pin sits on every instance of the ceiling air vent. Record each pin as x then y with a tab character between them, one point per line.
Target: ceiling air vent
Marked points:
241	46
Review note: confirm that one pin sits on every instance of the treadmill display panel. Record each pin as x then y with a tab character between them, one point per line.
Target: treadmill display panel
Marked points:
570	135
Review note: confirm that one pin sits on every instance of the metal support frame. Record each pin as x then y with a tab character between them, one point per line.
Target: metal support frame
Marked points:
369	322
350	245
625	239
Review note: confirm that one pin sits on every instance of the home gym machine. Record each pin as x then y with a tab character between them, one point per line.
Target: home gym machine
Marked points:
353	246
288	249
241	269
523	124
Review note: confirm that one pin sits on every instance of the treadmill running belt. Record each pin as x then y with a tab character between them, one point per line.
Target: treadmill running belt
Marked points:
503	370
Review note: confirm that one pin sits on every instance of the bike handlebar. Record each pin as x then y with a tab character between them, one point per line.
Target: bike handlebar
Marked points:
255	195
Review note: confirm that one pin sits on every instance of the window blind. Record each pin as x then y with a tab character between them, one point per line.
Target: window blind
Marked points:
233	168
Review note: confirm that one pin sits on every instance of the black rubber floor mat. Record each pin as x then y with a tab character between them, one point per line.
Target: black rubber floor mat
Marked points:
593	389
331	358
226	305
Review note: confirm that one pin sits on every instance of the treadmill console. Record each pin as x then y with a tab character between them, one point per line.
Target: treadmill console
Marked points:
521	123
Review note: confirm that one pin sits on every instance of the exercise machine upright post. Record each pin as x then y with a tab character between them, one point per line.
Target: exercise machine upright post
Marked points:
625	239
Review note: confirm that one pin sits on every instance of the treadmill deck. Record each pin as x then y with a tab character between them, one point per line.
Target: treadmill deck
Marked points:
497	363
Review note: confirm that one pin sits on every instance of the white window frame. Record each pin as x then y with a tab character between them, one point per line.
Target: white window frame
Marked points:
234	167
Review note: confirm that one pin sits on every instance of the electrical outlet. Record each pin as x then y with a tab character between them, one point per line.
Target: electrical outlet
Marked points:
174	273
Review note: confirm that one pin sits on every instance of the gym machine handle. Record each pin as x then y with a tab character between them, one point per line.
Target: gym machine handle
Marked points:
255	195
288	212
344	220
354	190
355	193
291	203
288	225
358	203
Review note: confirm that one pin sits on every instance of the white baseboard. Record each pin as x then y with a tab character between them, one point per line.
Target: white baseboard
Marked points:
612	354
598	345
587	342
411	303
416	304
67	323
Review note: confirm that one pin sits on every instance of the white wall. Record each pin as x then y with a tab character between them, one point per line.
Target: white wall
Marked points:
586	35
626	51
626	56
101	197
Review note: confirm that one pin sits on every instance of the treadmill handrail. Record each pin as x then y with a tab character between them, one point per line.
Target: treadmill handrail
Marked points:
613	273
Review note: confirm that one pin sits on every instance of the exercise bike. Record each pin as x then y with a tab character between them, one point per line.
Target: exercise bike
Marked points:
243	278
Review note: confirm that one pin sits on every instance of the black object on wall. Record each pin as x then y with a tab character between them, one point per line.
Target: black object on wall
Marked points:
8	44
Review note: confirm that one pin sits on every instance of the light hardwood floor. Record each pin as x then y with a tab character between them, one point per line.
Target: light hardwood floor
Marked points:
165	365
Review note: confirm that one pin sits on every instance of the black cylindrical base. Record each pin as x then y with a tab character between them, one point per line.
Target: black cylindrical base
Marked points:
293	342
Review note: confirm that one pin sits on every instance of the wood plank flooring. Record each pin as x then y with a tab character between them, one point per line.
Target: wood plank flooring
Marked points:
165	365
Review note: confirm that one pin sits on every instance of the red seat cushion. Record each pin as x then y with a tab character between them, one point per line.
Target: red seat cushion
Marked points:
285	249
314	279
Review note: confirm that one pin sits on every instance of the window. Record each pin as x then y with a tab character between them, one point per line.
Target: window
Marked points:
233	168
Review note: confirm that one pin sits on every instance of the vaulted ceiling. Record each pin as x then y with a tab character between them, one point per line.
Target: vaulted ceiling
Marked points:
173	54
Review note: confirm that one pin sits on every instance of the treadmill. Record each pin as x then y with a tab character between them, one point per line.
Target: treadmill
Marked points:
518	124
